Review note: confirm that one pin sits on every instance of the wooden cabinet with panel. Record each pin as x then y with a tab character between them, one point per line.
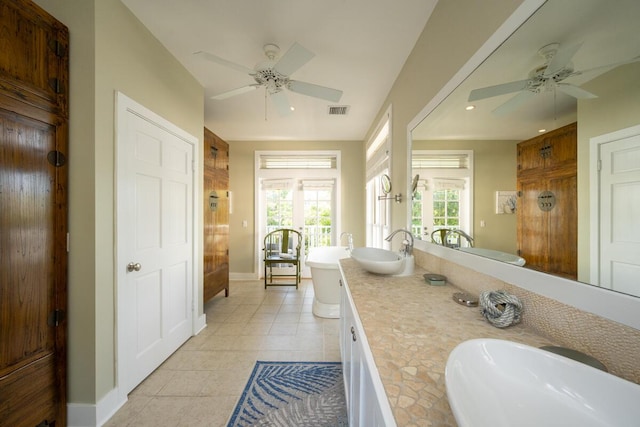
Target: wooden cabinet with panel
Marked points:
216	215
34	117
547	202
553	150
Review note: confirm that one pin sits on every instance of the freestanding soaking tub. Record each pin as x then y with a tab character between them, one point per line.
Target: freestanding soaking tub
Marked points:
325	275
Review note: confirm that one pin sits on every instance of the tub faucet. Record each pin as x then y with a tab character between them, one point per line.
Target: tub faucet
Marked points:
349	240
407	243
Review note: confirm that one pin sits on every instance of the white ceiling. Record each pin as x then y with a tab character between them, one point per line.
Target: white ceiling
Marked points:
609	33
360	47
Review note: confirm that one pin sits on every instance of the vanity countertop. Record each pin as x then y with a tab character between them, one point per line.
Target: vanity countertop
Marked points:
411	328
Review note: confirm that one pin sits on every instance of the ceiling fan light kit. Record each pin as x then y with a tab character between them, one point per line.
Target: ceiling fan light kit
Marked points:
273	74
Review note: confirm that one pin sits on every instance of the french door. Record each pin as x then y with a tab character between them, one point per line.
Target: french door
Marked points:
304	199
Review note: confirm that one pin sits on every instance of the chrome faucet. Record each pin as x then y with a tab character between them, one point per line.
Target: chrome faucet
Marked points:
407	242
349	240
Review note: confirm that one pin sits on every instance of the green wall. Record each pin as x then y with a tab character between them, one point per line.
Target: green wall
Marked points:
242	245
110	50
494	169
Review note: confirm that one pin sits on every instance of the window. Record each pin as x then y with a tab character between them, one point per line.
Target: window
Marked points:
378	156
298	190
444	193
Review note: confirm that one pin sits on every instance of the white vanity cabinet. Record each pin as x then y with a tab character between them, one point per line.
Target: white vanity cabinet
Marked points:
367	403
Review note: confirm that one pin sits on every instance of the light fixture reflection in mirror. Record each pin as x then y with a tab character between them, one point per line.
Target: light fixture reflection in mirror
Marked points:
617	106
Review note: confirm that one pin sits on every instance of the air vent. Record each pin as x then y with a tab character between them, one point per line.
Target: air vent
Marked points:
338	110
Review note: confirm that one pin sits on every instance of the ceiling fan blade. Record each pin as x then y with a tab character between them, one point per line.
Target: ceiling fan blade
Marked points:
561	59
293	59
514	103
501	89
234	92
601	67
575	91
213	58
281	103
316	91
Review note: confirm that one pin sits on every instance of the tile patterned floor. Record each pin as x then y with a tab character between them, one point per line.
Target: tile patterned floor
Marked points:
200	384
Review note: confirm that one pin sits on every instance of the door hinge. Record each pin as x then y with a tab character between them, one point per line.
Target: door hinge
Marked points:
599	165
57	48
55	85
68	242
56	317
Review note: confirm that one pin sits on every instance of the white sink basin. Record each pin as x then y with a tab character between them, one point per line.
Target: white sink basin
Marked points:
503	383
379	261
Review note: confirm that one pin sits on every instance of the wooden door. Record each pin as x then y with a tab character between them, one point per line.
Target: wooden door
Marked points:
33	215
532	224
561	148
216	215
563	227
548	238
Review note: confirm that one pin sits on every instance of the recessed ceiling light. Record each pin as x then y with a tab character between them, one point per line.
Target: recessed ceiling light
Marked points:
541	130
469	107
293	108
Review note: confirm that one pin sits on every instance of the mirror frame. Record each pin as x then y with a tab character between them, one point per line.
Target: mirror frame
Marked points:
614	306
385	182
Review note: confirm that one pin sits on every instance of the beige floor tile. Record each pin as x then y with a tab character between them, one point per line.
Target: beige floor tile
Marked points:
316	327
154	383
287	318
231	328
283	329
200	384
185	383
256	328
130	411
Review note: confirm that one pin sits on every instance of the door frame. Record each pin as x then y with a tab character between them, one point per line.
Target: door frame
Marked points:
124	105
595	144
295	175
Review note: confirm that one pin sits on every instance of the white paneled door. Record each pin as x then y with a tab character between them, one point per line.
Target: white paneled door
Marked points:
619	213
155	243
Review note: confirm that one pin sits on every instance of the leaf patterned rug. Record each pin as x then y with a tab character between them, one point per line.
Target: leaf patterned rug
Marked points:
309	394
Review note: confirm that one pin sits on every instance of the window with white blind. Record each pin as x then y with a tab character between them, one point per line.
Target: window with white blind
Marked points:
298	190
444	192
378	163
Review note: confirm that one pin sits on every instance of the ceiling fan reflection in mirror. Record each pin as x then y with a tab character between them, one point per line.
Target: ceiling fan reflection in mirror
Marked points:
273	74
546	78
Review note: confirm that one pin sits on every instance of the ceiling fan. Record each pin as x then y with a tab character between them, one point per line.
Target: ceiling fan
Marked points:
273	74
546	78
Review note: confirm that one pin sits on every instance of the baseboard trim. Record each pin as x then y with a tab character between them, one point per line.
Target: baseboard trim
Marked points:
243	276
94	415
199	324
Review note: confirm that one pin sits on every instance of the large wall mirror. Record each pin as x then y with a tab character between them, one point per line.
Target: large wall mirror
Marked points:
594	48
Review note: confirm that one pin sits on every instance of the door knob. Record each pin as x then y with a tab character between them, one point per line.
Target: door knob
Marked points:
134	267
